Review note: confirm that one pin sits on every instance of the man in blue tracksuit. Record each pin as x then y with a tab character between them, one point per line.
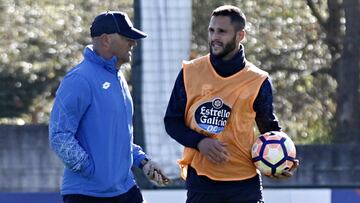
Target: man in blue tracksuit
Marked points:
91	129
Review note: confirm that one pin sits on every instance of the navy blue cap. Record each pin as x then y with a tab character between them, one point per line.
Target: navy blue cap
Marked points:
115	22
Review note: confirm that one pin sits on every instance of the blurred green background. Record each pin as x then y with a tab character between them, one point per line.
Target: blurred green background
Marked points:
311	48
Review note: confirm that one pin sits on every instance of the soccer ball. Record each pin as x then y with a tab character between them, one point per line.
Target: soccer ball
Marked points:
273	152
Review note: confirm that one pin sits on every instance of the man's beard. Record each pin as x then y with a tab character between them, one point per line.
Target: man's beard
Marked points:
229	47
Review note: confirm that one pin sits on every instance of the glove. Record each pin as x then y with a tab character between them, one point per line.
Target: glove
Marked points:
153	172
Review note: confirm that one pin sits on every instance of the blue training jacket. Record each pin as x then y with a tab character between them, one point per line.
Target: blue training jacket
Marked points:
91	129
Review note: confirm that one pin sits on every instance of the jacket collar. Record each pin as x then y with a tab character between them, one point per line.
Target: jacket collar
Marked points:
108	64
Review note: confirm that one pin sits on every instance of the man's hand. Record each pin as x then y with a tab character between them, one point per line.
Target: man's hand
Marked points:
286	173
214	150
153	171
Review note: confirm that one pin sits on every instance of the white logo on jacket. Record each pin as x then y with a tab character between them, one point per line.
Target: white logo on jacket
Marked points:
106	85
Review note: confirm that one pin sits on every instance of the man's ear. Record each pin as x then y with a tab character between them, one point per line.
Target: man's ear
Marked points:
241	35
105	40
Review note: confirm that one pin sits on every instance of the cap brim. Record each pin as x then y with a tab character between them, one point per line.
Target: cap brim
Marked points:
134	34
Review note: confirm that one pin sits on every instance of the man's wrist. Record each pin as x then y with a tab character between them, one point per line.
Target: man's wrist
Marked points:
143	162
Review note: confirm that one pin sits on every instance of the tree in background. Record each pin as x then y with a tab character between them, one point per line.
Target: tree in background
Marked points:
340	24
284	38
310	48
312	56
348	91
40	41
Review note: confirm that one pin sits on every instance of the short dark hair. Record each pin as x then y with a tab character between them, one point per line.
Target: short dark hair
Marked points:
236	15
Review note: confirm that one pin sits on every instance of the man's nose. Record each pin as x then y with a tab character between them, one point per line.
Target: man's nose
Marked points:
214	36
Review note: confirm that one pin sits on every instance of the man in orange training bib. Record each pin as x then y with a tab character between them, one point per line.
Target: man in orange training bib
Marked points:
212	111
